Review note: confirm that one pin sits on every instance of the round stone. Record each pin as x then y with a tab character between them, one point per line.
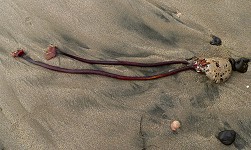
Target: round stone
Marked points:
227	137
175	125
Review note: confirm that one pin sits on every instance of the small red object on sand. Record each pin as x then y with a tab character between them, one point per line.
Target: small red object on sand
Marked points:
51	52
18	53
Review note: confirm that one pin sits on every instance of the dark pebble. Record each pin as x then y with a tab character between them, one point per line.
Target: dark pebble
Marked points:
232	61
227	137
241	65
215	41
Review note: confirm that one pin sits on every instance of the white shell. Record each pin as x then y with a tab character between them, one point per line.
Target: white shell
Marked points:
218	69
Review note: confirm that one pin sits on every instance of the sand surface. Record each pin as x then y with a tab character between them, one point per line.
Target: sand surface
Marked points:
46	110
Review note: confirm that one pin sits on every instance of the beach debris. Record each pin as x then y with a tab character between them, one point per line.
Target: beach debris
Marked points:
51	52
17	53
240	65
215	41
178	14
227	137
247	86
175	125
216	69
219	69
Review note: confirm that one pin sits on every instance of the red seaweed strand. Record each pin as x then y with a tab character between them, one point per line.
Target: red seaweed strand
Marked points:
53	50
21	54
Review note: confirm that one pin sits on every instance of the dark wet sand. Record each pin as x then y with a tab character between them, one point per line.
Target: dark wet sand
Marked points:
41	109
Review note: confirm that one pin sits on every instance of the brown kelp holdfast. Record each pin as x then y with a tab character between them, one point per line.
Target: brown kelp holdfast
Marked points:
216	69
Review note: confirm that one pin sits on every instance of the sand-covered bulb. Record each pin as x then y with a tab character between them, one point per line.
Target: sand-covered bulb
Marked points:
216	69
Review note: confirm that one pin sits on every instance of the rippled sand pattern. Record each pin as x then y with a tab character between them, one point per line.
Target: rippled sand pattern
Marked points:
42	109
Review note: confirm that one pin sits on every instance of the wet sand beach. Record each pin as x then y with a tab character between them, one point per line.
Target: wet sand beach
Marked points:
41	109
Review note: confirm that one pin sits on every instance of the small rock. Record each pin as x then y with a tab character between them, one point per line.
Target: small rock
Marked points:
227	137
178	14
241	65
175	125
215	41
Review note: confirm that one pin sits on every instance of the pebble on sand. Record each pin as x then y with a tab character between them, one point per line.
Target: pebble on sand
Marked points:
215	41
227	137
175	125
